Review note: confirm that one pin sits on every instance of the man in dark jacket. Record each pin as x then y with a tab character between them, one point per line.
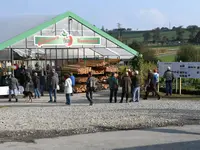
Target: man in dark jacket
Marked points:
42	83
22	76
136	87
90	87
126	87
13	87
113	84
150	86
53	83
36	84
169	77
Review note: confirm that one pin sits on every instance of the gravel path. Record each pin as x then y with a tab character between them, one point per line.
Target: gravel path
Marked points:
22	121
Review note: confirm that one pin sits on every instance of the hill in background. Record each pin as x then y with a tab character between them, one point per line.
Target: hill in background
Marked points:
157	35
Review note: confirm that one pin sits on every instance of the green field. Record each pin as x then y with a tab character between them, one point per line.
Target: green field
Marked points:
172	49
129	36
168	58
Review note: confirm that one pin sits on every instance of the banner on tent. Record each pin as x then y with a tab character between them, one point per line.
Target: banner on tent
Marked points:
66	39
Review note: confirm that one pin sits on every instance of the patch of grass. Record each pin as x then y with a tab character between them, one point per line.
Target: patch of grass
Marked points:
165	47
3	107
175	96
170	47
168	58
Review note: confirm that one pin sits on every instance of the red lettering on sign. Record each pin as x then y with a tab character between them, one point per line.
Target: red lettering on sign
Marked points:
44	41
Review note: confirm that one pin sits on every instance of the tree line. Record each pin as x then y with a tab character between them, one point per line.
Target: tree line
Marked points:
194	35
155	36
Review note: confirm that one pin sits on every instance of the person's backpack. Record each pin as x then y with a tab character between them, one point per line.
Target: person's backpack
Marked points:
93	83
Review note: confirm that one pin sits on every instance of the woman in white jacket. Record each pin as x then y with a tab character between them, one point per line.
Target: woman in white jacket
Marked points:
68	89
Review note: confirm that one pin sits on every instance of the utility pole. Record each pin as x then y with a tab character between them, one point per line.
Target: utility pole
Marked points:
169	25
119	31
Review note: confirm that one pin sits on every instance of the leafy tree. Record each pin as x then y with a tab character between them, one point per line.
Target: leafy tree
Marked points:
164	40
146	60
188	53
149	55
174	28
146	36
156	35
197	38
173	38
164	29
192	29
179	33
103	29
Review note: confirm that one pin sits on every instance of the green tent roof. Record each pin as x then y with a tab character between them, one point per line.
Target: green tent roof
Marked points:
58	18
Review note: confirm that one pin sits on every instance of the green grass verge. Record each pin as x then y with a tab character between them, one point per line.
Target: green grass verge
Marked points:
170	47
176	96
167	58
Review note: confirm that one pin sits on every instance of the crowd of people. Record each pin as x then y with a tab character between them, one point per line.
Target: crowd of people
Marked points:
37	82
130	83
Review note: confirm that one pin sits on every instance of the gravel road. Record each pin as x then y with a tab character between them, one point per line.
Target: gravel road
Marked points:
26	122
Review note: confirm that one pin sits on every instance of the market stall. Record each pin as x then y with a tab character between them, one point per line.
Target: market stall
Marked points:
67	43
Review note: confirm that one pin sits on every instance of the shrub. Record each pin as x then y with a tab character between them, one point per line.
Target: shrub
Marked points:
188	53
149	55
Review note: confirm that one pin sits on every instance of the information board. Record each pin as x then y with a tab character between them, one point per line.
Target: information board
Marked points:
175	68
181	69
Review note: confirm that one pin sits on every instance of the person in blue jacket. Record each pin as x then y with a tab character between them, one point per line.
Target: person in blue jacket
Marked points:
73	82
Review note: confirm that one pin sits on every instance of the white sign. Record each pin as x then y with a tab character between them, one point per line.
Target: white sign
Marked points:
4	90
162	67
181	69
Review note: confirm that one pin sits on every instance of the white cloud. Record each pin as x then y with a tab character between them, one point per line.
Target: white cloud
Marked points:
152	16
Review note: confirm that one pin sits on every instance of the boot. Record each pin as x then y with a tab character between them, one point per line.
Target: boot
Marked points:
91	103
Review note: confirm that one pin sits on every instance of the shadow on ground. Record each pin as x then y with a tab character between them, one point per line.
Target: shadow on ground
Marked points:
189	145
171	131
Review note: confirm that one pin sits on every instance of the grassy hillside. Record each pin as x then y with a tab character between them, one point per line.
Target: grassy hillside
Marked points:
129	36
168	58
169	54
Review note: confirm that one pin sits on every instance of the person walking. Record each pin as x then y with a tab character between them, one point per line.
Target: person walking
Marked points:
156	80
126	87
29	83
68	89
150	86
13	87
169	77
73	82
113	85
42	83
53	83
36	84
136	87
90	87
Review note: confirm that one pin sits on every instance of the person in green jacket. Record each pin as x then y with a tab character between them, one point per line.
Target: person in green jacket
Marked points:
113	84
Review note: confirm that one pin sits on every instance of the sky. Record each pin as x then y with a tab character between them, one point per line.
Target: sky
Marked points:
135	14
